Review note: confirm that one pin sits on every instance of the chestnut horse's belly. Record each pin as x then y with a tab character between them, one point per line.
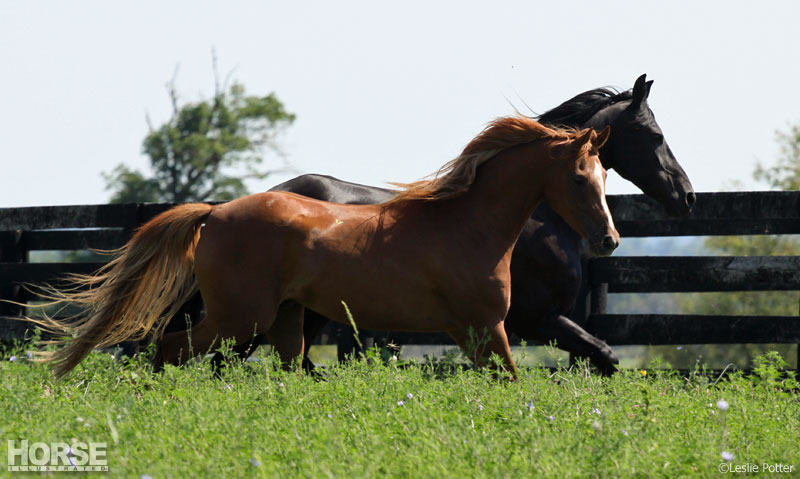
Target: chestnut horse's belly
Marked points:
388	289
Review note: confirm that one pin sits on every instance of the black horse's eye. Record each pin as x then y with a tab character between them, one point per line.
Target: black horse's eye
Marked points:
580	180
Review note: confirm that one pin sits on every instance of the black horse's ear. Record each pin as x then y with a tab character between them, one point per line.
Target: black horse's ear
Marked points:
640	91
602	137
649	85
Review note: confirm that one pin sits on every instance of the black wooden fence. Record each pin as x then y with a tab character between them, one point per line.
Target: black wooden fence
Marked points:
715	214
23	230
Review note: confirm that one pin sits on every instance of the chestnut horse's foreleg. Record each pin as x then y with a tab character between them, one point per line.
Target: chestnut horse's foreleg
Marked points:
479	346
286	333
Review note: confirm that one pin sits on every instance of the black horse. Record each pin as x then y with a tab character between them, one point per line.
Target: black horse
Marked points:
546	263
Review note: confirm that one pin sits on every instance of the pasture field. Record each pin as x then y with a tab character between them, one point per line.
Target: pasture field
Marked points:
374	418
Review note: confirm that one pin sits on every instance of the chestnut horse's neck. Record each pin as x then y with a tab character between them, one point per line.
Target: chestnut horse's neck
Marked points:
506	191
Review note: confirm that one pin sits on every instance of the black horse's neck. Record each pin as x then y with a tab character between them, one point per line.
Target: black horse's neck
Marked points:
596	108
578	110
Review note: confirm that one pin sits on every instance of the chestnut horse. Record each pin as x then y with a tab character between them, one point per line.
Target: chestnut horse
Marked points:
435	258
546	266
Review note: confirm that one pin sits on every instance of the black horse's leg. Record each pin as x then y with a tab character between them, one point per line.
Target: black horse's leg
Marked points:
572	338
130	348
313	323
240	351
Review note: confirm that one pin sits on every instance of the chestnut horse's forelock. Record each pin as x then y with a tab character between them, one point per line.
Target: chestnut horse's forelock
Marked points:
455	178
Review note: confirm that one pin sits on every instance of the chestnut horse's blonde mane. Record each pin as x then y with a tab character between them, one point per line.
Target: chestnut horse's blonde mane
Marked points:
455	178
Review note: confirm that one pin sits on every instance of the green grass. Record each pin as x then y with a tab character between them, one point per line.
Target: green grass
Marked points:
258	421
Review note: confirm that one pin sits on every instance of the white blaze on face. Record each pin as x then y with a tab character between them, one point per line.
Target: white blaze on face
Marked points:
598	175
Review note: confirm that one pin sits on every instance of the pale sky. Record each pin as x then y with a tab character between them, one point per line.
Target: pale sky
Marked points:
383	92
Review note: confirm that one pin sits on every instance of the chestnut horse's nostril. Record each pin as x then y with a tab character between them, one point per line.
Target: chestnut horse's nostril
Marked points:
690	199
609	243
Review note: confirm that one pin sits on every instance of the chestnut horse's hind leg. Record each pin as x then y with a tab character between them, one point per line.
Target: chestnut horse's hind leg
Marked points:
312	325
480	348
286	333
178	347
237	320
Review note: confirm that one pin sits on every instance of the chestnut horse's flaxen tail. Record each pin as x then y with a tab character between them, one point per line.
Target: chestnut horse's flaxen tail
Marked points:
135	293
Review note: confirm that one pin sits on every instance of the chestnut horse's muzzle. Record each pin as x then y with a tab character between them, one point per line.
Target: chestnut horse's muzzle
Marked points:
605	245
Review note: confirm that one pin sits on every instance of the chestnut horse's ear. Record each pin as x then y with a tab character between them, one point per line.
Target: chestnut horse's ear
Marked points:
602	137
583	137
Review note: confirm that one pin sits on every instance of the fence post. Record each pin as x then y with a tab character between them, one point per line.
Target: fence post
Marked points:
599	299
580	314
12	250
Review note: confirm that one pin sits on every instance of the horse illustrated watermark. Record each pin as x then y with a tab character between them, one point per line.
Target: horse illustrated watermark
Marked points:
25	456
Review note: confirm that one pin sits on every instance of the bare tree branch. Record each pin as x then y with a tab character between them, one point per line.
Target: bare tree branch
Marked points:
173	93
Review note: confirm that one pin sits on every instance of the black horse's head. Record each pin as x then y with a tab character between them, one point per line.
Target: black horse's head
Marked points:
637	150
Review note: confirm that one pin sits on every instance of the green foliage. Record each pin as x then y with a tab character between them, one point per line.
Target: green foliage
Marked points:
771	369
785	175
766	245
709	356
205	151
374	419
131	186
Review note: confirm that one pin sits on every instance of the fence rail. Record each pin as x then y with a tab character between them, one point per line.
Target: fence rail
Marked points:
23	230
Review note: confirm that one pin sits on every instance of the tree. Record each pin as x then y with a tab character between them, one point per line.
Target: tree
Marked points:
206	150
785	175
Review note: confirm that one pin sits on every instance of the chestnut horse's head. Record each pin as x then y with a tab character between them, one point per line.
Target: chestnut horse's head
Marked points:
576	190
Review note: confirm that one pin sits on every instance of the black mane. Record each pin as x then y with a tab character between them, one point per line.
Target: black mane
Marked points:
577	110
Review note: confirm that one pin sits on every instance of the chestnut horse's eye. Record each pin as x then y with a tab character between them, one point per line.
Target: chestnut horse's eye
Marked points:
580	180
